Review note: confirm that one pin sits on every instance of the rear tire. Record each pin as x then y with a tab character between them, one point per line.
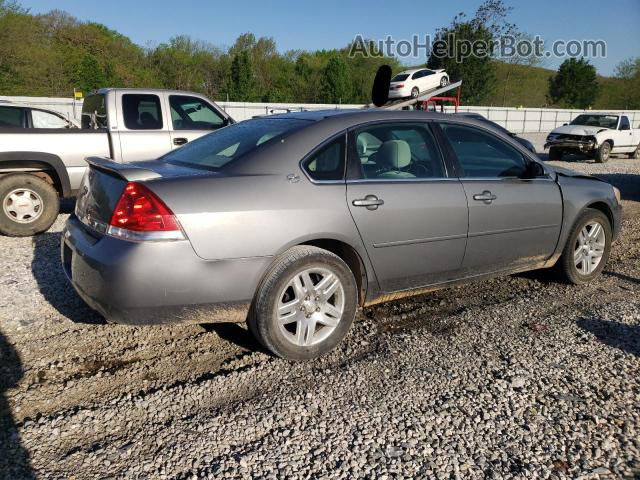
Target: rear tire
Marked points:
555	153
28	205
585	246
415	91
603	153
294	314
636	153
444	81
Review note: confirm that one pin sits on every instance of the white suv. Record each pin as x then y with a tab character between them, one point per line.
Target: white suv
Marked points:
412	83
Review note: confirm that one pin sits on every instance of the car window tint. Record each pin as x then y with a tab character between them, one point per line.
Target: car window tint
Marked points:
142	112
42	119
483	155
11	117
328	162
192	113
416	75
398	151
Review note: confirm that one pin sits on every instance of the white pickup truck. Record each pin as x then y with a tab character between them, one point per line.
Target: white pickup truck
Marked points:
38	167
595	134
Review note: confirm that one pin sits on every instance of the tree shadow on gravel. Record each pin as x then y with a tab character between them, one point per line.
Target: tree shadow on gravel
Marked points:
46	267
615	334
14	459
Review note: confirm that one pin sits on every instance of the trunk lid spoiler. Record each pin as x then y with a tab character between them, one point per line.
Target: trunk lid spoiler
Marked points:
126	171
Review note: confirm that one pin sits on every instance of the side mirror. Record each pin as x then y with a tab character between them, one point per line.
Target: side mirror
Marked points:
534	170
565	124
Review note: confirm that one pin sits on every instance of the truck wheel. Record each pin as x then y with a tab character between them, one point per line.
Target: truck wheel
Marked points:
603	153
29	205
305	304
587	249
555	153
636	153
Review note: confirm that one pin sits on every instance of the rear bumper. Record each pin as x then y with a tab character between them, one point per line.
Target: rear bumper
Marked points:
157	282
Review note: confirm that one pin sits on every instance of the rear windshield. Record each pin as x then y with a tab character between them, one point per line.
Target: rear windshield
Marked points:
215	150
94	112
604	121
400	78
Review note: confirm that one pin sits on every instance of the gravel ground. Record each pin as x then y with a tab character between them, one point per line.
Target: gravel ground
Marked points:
518	377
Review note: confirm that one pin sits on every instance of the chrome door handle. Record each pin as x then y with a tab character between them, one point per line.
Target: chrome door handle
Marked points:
486	197
370	201
180	141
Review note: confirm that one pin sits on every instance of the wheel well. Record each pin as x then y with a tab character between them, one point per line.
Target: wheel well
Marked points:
350	256
609	141
38	169
604	208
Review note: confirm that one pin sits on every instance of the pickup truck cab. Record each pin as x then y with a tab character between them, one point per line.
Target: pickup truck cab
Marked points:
595	134
38	167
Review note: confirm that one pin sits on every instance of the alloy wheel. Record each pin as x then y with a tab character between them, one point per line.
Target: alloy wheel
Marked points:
310	306
23	205
589	248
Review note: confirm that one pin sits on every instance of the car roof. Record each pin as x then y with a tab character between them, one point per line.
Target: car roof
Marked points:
414	70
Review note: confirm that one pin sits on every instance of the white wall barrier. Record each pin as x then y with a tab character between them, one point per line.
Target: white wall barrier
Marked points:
517	120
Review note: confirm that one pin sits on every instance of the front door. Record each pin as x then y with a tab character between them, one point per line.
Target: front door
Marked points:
513	221
411	216
191	118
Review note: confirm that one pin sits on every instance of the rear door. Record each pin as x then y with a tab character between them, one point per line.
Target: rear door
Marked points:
412	217
191	118
513	221
143	130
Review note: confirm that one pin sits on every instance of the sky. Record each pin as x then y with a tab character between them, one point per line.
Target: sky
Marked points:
326	24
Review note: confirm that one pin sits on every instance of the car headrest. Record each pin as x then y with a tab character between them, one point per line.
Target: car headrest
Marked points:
395	154
148	121
361	144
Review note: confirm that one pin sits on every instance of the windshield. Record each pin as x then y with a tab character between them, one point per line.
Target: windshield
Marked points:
604	121
400	78
217	149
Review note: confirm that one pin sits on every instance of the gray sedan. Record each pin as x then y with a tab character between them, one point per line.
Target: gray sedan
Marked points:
292	222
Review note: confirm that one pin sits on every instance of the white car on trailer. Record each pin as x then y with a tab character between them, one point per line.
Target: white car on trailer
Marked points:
412	83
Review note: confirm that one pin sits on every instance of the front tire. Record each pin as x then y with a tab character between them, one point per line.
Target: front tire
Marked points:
587	249
28	205
603	153
305	304
555	153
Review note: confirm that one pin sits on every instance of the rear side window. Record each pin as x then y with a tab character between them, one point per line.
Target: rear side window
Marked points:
481	155
42	119
94	112
327	164
624	123
192	113
142	112
11	117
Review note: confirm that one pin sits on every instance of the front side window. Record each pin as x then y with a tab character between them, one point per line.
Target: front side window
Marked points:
192	113
42	119
11	117
327	163
397	151
481	155
142	112
219	148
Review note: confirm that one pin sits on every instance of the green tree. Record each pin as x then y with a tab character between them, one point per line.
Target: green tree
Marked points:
575	85
243	81
628	71
336	81
90	75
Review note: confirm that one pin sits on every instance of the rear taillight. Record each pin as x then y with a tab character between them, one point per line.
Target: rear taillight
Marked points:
400	86
141	215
